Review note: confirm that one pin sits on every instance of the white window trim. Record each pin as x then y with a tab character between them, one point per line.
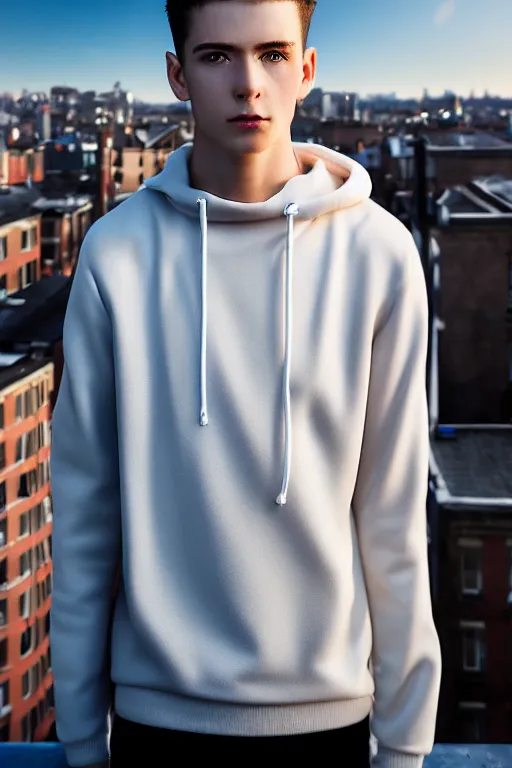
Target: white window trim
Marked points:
478	625
30	681
470	543
480	705
464	588
26	613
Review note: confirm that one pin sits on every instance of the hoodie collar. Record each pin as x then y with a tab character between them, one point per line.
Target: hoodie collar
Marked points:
334	182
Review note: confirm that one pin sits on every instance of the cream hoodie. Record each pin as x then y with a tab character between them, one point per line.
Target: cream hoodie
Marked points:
221	357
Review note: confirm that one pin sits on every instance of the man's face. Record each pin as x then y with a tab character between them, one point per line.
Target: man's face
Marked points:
244	58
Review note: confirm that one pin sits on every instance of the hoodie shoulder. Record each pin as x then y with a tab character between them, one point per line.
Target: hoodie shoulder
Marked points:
124	230
377	232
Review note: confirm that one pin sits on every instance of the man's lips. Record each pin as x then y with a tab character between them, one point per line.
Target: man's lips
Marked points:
247	119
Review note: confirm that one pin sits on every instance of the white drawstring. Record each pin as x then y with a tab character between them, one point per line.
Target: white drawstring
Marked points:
203	416
290	211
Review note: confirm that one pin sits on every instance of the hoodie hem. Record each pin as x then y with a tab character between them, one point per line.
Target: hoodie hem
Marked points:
389	758
182	713
88	752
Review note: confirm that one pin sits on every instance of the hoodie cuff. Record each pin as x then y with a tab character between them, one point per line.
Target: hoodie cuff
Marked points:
88	752
388	758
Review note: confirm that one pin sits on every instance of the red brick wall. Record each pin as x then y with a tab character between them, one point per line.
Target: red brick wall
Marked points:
452	170
474	349
494	686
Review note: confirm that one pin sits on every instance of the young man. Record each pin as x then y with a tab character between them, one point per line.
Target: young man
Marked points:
248	329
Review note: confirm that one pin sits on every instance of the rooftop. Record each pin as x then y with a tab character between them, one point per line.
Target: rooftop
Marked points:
39	317
483	201
465	140
14	368
473	465
444	756
16	203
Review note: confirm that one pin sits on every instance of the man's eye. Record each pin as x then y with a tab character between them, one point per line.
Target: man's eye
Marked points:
214	58
276	56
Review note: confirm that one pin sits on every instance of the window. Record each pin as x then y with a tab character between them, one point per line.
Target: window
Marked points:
3	248
509	282
25	604
20	413
25	523
33	719
4	733
3	653
2	422
36	676
28	238
42	710
3	499
473	716
49	659
49	698
25	729
26	641
509	545
473	646
21	278
28	484
3	612
471	566
3	571
2	455
3	532
26	563
3	286
31	272
26	684
47	624
49	584
4	695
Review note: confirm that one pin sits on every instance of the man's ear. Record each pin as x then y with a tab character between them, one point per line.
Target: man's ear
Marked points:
308	73
176	77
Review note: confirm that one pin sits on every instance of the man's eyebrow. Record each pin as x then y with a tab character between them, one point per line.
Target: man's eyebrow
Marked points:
229	48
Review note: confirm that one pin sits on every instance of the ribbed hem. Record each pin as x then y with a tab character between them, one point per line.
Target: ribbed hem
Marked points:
80	753
388	758
167	710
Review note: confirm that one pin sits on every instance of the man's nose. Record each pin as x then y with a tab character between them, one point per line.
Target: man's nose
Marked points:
247	85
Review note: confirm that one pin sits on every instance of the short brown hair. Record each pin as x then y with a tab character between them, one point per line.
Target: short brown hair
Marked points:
179	14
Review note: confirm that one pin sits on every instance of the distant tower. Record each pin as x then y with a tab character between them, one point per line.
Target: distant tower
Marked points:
44	123
327	106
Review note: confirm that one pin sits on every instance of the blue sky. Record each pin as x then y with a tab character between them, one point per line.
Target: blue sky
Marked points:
367	46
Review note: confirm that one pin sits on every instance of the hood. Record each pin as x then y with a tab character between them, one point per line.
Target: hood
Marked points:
333	182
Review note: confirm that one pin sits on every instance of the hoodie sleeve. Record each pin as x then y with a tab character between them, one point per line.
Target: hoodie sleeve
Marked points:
390	514
86	525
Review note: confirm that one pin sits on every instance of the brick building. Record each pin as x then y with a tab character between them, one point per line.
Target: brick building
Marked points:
475	348
471	532
26	689
64	224
20	240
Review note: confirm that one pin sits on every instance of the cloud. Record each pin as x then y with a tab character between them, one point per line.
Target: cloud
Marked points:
445	11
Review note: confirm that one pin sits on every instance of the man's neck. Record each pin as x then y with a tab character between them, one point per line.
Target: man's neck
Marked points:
247	178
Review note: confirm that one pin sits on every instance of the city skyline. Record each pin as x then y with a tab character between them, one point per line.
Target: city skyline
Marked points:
378	46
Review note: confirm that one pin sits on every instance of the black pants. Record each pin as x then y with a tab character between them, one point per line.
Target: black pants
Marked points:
134	744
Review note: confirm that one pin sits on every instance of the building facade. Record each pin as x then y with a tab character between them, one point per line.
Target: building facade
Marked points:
26	684
475	243
472	535
20	252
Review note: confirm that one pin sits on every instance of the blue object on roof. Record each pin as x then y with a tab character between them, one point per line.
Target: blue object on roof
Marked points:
41	755
46	755
470	756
